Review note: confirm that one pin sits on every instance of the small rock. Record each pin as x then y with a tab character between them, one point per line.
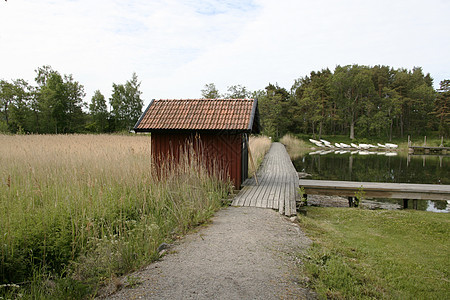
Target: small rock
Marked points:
163	246
293	219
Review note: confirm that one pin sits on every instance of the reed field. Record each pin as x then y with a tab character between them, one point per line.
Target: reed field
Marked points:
294	146
259	145
77	210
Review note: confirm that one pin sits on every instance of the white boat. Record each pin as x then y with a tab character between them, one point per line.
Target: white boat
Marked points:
337	145
345	145
364	146
381	146
391	146
354	145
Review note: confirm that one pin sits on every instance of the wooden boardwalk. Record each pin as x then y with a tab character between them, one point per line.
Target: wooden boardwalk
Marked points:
277	184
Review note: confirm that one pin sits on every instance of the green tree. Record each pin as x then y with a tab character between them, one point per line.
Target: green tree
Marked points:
210	91
273	109
442	108
6	95
99	112
237	92
20	107
352	87
59	101
74	93
126	104
315	99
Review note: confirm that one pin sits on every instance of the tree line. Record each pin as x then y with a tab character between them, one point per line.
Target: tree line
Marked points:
55	104
354	100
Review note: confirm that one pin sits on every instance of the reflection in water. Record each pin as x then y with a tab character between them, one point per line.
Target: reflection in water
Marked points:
371	166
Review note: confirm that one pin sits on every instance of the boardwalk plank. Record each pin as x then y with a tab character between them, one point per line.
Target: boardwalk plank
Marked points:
277	184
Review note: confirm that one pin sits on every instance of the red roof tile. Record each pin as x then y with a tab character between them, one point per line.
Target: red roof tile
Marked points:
200	114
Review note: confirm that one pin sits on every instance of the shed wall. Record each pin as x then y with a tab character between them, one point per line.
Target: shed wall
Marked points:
223	150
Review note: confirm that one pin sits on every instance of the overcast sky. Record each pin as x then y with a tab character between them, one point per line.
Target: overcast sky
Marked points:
178	46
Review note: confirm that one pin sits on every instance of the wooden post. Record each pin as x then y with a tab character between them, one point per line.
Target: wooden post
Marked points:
442	142
405	203
409	141
350	201
425	141
415	204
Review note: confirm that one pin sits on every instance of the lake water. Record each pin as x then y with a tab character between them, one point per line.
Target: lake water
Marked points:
393	167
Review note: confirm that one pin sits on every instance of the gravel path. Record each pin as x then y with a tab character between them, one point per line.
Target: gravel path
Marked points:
245	253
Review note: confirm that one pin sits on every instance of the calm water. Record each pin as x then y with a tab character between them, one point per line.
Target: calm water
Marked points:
379	167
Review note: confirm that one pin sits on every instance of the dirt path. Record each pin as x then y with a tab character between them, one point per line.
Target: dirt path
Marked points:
245	253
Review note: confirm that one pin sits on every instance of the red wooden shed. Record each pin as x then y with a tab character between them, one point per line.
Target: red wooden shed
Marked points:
221	125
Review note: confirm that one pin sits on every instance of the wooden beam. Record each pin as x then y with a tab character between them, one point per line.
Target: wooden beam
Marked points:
377	189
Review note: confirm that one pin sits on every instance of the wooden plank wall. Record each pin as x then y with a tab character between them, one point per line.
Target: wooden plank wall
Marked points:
221	150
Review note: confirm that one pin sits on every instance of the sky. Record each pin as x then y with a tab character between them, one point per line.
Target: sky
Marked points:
177	46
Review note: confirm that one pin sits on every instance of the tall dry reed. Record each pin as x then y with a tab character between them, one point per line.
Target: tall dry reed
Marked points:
294	146
259	145
77	209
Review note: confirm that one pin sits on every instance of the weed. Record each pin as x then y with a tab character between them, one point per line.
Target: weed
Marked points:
359	196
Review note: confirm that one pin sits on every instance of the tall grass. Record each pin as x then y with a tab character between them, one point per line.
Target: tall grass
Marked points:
259	145
76	210
294	146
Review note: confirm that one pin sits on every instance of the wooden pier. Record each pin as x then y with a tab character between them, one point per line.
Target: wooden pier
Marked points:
403	191
277	184
429	150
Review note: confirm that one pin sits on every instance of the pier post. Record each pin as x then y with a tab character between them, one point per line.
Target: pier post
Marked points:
351	203
405	203
415	204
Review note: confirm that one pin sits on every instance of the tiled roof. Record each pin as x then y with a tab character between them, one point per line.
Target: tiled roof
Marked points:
200	114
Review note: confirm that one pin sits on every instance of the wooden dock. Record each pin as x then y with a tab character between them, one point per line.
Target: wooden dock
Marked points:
403	191
277	184
429	150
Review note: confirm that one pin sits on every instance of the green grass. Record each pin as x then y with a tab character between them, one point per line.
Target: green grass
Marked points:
76	211
364	254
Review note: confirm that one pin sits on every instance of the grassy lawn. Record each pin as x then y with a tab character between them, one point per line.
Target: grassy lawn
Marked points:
364	254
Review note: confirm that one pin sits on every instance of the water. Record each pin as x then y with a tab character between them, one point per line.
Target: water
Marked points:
367	166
